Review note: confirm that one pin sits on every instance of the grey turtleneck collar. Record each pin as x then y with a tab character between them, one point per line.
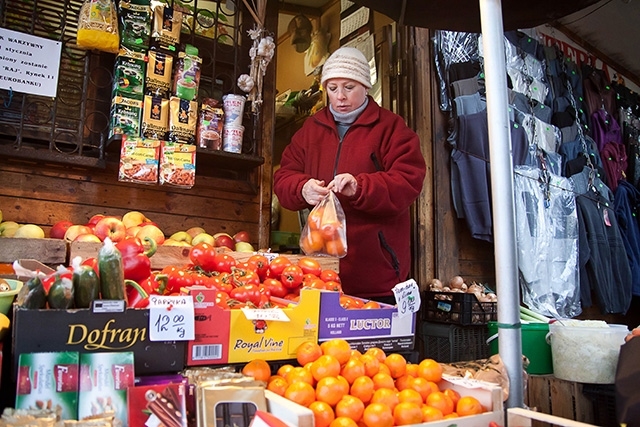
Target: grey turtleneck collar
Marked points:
345	120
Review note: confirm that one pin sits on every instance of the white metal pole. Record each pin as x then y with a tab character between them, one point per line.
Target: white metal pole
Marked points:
509	332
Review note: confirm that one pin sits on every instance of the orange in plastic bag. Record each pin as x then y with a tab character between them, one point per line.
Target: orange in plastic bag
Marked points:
325	233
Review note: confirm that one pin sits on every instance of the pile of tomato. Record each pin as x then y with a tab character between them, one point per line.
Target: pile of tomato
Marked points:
253	282
348	388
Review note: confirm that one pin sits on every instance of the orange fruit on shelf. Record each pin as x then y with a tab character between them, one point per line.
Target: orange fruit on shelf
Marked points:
430	369
387	396
343	422
406	413
371	305
397	364
377	352
299	373
377	415
338	348
468	405
300	392
322	413
353	369
412	369
440	401
307	352
258	369
350	407
356	353
429	413
424	387
403	382
383	380
451	415
331	390
410	395
325	366
371	364
362	388
282	370
384	369
277	384
454	395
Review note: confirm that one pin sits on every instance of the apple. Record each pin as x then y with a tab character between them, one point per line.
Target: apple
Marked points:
181	236
133	218
242	236
171	242
151	231
112	228
8	228
94	220
59	229
132	231
223	239
203	237
76	230
194	231
244	247
87	237
31	231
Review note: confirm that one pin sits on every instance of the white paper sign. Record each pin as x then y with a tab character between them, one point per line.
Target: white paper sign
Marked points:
407	296
353	22
29	64
171	318
265	314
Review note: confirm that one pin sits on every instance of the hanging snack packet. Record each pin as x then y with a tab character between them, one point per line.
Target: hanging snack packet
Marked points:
98	26
129	72
167	23
139	158
135	25
210	124
186	77
178	164
325	232
155	117
183	117
126	114
159	69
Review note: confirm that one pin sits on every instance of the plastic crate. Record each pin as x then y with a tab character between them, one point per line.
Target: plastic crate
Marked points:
603	398
457	308
452	343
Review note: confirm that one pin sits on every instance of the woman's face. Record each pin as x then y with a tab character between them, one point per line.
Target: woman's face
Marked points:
345	95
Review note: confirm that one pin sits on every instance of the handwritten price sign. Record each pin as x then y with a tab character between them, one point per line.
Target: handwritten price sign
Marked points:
407	297
171	318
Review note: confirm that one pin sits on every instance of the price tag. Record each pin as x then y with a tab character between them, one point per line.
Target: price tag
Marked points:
407	296
275	314
171	318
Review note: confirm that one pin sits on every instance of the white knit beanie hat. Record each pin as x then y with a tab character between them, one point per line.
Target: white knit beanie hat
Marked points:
347	63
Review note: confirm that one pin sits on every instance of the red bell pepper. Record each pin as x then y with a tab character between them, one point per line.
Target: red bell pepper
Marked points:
135	257
138	293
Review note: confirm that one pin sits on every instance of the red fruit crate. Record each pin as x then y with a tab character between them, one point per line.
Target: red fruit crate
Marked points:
459	308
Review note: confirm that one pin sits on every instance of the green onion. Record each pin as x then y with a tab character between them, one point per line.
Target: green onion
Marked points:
532	314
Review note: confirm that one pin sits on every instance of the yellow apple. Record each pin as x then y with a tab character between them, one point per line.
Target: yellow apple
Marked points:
181	236
133	218
203	237
171	242
194	231
132	231
31	231
151	231
244	247
88	237
76	230
8	228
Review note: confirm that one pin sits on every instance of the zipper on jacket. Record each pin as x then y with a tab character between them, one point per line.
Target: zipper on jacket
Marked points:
335	165
394	259
376	163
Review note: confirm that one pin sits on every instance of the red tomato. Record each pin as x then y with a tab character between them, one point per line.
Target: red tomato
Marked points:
275	287
310	266
315	284
260	264
221	282
221	300
203	256
291	276
245	277
278	265
330	275
223	262
177	278
247	293
332	285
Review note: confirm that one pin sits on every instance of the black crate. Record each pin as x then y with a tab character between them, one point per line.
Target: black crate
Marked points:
453	343
459	308
603	397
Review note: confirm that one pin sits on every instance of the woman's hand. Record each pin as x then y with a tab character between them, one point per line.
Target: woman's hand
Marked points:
344	183
313	191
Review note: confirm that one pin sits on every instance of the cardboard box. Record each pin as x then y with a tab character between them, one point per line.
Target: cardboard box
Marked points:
365	328
104	381
520	417
49	380
289	411
84	331
229	336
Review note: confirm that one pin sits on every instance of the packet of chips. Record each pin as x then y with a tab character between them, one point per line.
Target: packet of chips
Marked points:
98	26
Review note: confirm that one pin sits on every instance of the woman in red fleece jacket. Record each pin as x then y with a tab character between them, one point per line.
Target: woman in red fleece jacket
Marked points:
372	161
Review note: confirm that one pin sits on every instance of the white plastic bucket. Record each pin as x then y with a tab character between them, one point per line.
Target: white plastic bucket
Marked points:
232	138
584	352
233	106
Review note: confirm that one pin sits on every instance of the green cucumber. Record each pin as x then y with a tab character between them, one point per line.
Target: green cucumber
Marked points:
111	272
86	285
35	297
61	293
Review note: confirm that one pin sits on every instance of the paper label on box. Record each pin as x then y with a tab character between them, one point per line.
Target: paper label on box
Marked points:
407	296
171	318
275	314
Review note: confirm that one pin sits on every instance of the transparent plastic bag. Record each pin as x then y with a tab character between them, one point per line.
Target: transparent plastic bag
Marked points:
325	232
98	26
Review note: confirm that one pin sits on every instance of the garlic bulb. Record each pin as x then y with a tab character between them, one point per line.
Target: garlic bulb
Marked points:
245	83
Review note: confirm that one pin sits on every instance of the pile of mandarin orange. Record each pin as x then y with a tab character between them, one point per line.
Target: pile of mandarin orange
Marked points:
347	388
